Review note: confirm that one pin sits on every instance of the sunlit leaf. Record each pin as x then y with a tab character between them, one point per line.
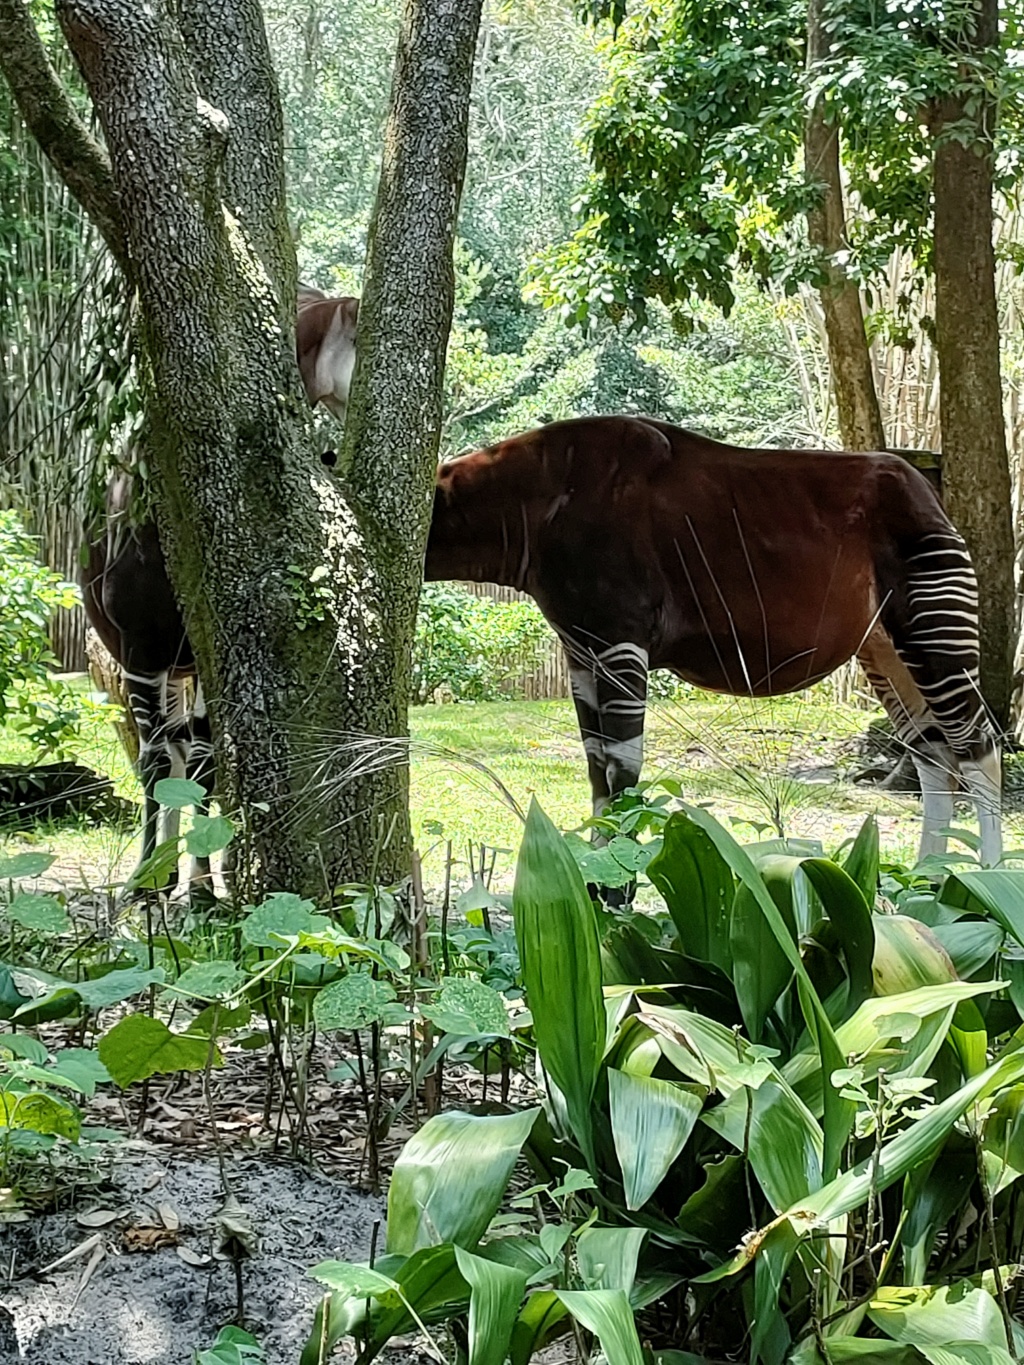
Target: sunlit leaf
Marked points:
179	792
495	1295
41	914
466	1007
651	1121
356	1001
606	1313
450	1178
25	865
139	1046
698	887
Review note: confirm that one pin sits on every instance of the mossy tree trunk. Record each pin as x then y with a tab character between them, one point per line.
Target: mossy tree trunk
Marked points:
975	467
299	593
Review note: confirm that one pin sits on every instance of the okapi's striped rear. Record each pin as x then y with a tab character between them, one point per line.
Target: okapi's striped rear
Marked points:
744	571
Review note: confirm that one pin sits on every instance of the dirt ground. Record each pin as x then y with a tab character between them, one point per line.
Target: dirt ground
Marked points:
152	1307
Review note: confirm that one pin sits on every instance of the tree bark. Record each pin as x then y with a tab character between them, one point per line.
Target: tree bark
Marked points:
975	468
389	454
299	599
853	378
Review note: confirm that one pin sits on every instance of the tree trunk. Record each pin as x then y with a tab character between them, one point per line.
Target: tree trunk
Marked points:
975	469
299	597
853	379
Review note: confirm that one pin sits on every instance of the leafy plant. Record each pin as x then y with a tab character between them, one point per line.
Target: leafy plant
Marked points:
471	648
45	709
769	1064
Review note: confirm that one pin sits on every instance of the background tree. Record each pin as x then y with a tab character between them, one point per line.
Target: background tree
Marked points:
270	556
696	167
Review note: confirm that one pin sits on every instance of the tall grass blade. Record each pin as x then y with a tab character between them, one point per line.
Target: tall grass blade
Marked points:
556	930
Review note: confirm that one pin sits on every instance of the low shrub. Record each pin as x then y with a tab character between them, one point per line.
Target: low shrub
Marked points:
472	648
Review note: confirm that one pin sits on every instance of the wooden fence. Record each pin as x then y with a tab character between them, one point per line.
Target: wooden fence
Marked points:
550	679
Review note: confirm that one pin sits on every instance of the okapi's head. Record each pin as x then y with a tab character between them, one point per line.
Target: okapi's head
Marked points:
325	347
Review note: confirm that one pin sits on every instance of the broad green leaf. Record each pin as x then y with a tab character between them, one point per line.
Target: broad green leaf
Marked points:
970	943
932	1193
217	980
178	792
908	955
651	1121
994	892
937	1315
25	865
838	1113
232	1347
862	860
785	1141
116	986
761	969
82	1066
1002	1143
607	1257
865	1351
698	888
139	1046
606	1313
495	1296
39	1112
556	930
450	1178
543	1316
281	916
719	1206
770	1335
356	1001
850	913
356	1281
41	914
224	1018
468	1008
24	1045
598	864
431	1283
209	834
965	1353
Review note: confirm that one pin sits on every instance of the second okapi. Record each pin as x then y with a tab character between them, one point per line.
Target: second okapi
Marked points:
750	572
131	605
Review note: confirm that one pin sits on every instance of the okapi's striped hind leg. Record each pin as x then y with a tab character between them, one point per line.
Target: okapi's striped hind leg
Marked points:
147	698
928	681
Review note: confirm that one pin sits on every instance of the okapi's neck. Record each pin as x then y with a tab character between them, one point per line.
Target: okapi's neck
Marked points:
482	528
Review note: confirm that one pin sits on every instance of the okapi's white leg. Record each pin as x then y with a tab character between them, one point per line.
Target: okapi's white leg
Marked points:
984	778
936	768
201	770
584	695
177	732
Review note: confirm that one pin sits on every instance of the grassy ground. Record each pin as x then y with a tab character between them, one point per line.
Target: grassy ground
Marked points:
781	759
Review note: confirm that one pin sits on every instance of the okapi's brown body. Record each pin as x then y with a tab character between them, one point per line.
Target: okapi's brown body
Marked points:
751	572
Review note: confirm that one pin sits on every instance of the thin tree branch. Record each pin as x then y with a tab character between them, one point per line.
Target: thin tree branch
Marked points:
79	159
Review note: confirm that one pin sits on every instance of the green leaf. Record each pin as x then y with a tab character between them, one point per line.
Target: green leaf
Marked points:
139	1046
838	1113
468	1008
1002	1143
850	913
761	969
431	1283
281	916
116	986
861	863
82	1067
937	1315
23	1045
997	893
607	1257
698	888
209	834
556	930
606	1313
354	1002
217	980
40	1113
25	865
233	1347
42	914
495	1296
179	792
450	1178
543	1317
932	1193
651	1122
350	1281
225	1019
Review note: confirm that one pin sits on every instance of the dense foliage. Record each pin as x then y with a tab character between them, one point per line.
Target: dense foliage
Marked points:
471	648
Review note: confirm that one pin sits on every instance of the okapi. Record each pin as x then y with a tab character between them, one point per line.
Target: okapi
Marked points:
749	572
131	605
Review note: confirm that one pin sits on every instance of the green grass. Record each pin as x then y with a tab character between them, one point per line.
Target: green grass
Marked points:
749	759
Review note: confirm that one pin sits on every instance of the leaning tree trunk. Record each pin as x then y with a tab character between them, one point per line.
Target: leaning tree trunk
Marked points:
853	378
975	468
298	597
